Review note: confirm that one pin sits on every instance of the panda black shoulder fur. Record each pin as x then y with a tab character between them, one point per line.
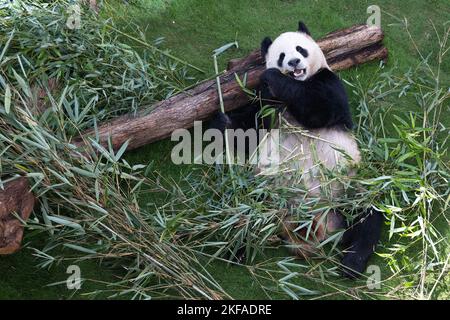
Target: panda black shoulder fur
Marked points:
298	76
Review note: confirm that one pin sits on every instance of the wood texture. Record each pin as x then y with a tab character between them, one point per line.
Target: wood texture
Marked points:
343	49
14	198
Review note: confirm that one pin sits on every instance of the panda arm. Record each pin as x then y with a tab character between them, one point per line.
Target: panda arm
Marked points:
280	86
247	117
320	101
243	118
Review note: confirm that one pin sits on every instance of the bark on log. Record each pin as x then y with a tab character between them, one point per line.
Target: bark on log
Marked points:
14	198
343	49
348	60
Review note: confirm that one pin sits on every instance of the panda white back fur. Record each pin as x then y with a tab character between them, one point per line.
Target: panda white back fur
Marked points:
298	155
314	132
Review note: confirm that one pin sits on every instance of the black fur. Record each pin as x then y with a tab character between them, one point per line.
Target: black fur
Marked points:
302	51
302	28
318	102
265	44
280	59
360	241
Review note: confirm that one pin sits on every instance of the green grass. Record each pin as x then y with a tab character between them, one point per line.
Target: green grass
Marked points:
22	279
192	30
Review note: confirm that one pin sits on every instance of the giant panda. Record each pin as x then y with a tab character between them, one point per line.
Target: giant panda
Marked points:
315	132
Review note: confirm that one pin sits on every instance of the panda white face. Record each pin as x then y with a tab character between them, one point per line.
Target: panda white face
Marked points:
295	54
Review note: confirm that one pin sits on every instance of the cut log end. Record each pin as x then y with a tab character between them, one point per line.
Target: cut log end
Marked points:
15	198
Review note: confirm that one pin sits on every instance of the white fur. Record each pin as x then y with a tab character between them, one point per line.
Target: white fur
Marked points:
286	43
298	155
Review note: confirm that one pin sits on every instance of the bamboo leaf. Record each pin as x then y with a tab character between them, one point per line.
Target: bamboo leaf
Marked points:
7	98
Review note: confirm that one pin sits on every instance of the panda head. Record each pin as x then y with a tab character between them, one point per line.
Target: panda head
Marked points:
294	53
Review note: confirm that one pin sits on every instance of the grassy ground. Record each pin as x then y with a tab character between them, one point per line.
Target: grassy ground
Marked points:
192	29
22	279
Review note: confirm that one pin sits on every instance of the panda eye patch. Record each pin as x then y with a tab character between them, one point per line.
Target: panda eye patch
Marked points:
302	51
280	59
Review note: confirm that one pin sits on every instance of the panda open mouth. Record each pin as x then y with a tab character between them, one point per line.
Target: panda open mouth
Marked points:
299	72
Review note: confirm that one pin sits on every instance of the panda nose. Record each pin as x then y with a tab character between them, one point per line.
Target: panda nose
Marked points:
294	62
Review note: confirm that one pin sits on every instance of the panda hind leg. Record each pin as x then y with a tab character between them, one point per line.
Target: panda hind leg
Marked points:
360	241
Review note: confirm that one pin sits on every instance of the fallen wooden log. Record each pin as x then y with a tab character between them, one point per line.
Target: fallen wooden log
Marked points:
343	49
14	198
370	53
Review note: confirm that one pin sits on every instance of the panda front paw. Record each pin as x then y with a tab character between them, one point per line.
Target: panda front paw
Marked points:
270	75
270	79
220	121
353	265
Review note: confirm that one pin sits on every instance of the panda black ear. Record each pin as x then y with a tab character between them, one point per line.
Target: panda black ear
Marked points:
302	28
265	44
